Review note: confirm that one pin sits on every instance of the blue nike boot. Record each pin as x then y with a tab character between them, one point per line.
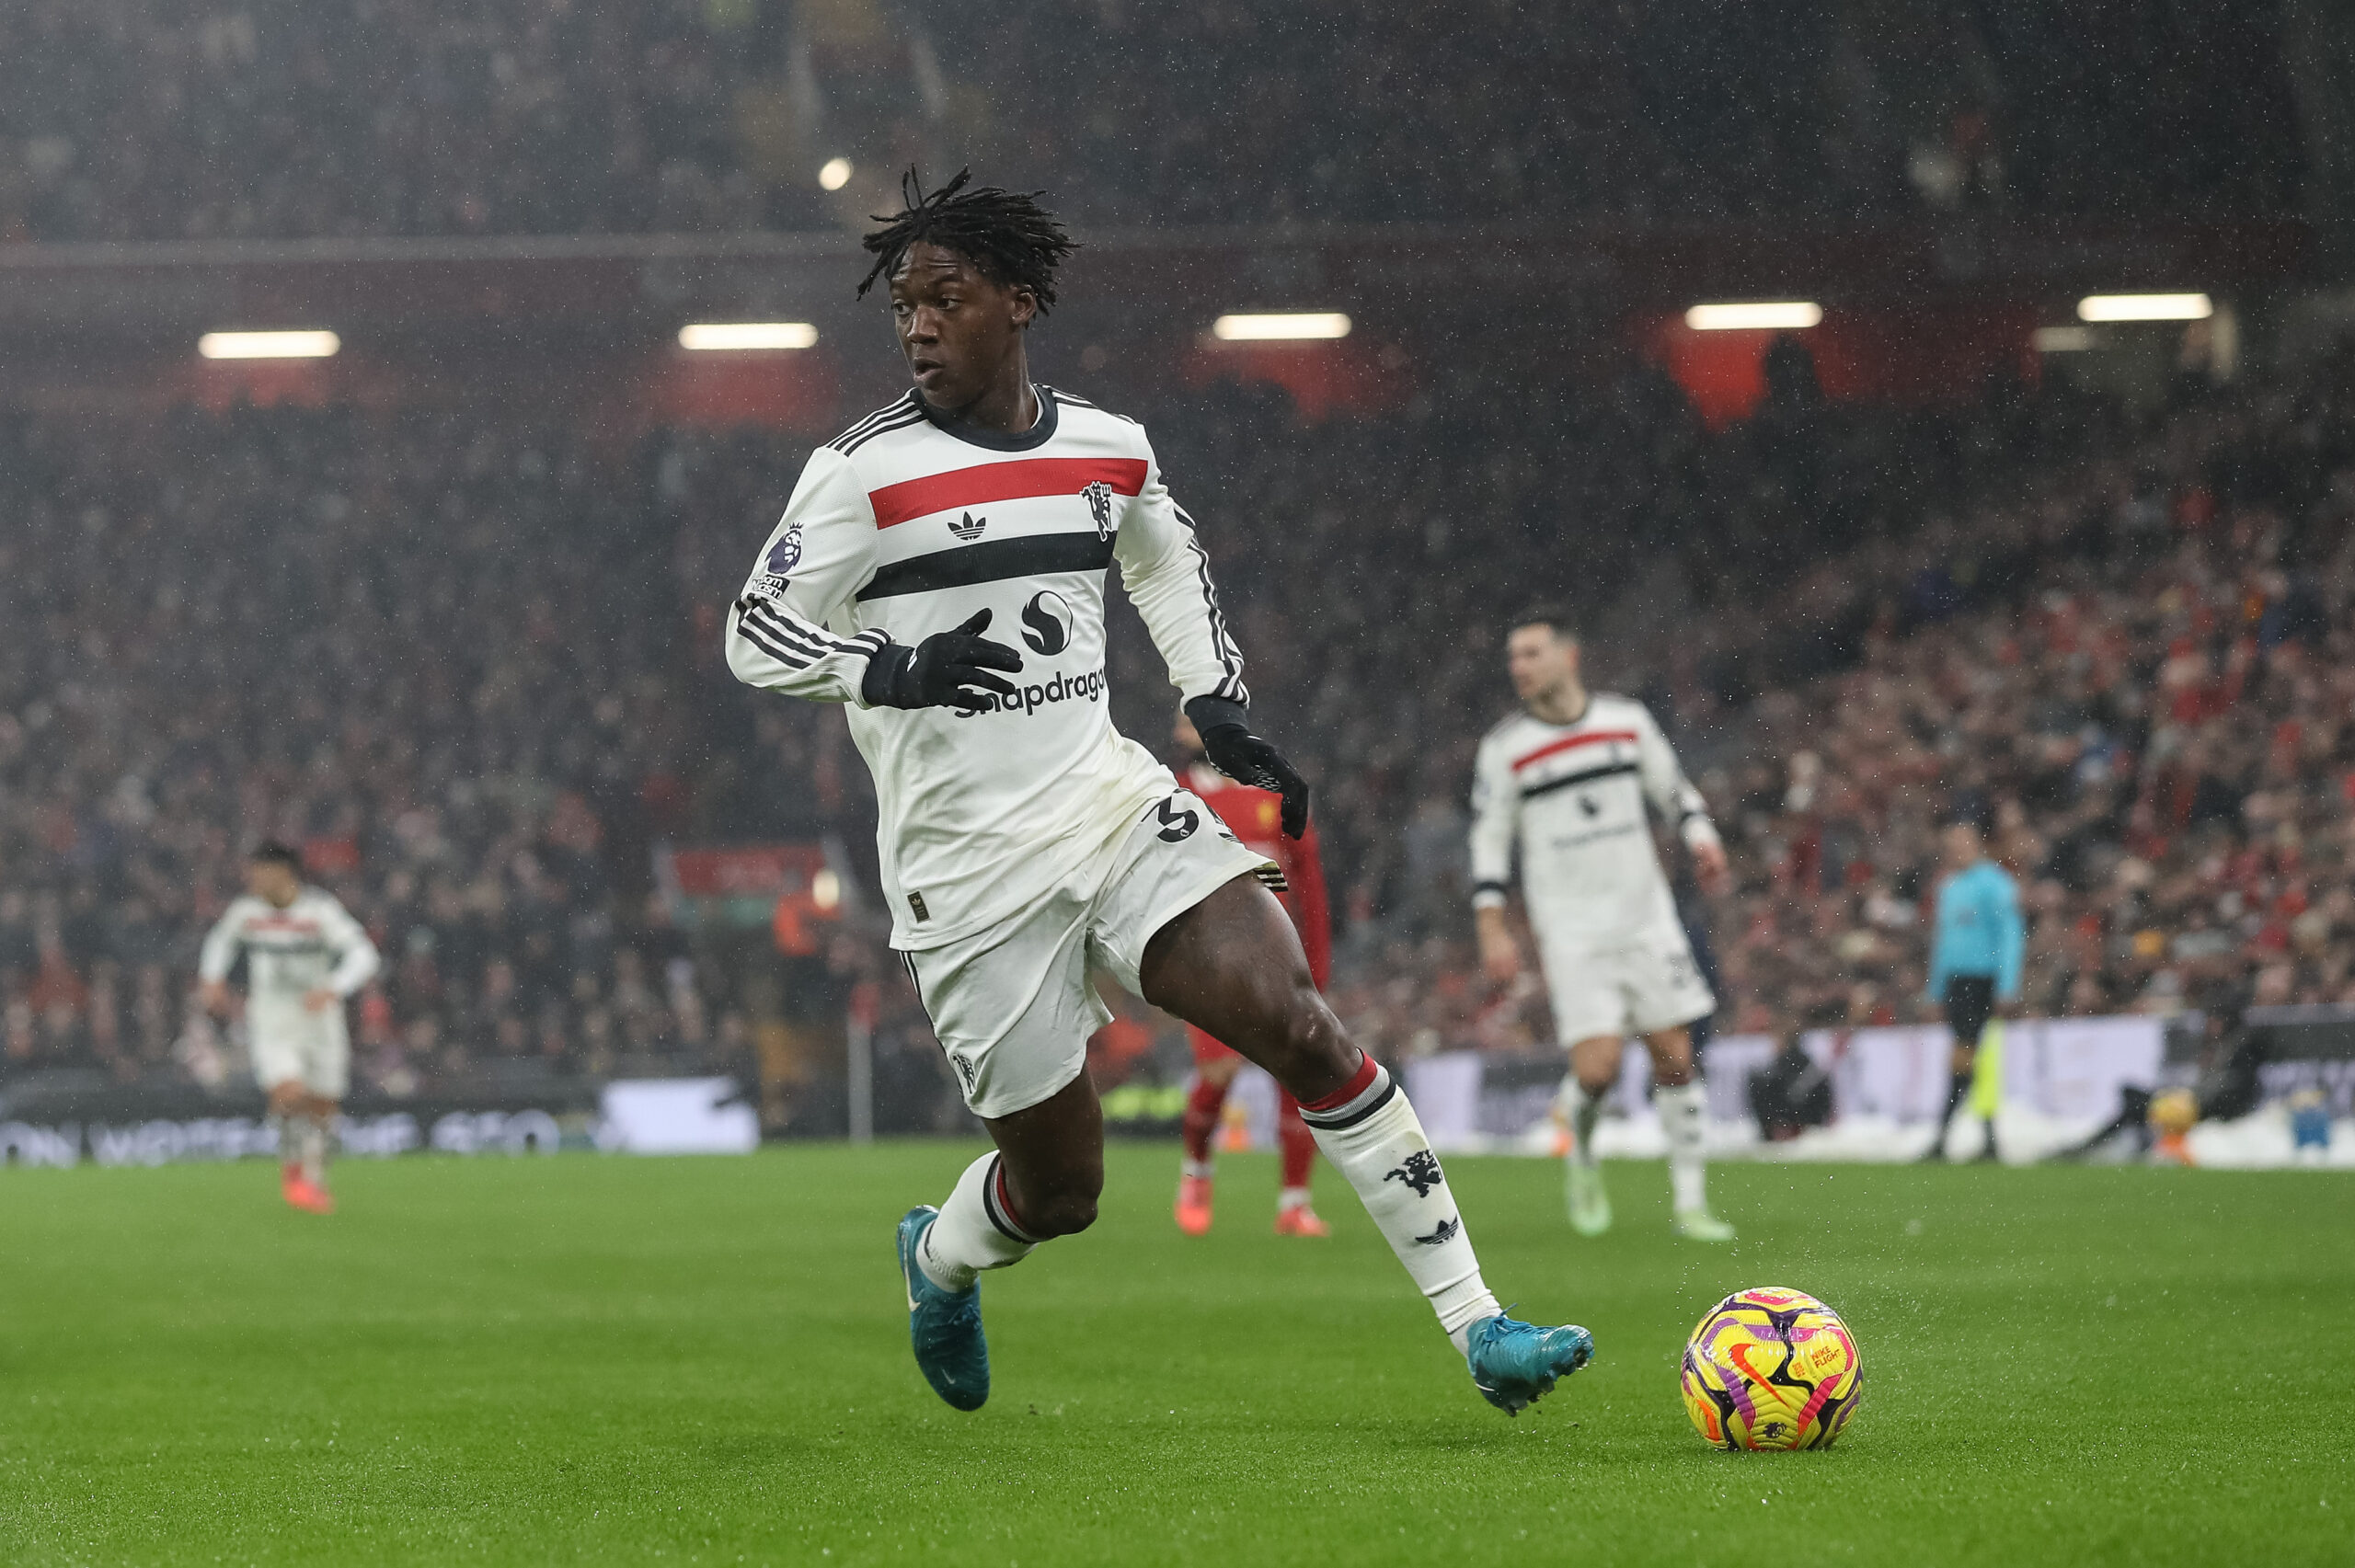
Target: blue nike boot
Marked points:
1514	1364
944	1326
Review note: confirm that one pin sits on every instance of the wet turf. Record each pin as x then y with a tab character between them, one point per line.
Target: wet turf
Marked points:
587	1360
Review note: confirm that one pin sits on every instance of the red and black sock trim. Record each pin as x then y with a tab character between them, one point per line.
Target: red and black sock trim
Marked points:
1368	1089
999	1207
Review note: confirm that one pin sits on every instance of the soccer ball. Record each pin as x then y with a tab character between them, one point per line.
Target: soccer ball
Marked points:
1771	1369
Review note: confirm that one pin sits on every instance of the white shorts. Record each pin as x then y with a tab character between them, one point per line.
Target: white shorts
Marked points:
1012	1005
309	1048
1639	988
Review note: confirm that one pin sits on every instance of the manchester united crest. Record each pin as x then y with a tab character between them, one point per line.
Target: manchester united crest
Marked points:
1099	503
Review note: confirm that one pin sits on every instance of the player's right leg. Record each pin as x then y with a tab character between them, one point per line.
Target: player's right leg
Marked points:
275	1044
1595	1064
1013	1010
1592	1020
1215	1070
290	1113
327	1077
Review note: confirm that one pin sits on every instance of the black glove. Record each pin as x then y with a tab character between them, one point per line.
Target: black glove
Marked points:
948	670
1242	756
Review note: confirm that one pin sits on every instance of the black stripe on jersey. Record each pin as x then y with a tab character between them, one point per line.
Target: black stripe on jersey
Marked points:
915	417
1230	658
796	634
1607	770
900	407
897	412
780	651
1062	396
899	404
794	643
992	562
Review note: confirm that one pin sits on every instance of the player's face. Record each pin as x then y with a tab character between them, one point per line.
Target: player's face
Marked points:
1541	663
1962	845
272	881
957	328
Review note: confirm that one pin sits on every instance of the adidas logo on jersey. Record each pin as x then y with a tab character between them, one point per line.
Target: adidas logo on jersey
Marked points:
968	527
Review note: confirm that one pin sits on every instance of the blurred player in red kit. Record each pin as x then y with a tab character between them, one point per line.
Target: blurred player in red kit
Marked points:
1254	816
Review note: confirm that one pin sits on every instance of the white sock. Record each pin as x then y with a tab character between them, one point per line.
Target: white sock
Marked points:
313	1141
1291	1198
975	1230
1204	1168
1373	1138
1684	1113
1584	1110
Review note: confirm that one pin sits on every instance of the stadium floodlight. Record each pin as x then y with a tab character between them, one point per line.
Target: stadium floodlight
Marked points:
705	337
268	345
1763	316
2063	340
1265	327
834	174
2145	307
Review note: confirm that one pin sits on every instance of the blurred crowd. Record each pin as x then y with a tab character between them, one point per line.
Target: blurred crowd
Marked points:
154	120
151	120
469	661
2151	708
2129	662
414	647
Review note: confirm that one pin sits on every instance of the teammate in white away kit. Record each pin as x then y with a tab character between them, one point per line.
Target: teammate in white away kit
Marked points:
305	956
1567	779
1024	842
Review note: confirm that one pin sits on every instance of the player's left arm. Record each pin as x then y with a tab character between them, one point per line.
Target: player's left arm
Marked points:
1673	797
357	960
1167	576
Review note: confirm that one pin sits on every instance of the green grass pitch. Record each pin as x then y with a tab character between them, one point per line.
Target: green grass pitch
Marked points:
605	1360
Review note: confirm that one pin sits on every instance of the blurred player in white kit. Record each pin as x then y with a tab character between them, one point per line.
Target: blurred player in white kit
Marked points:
304	957
1567	779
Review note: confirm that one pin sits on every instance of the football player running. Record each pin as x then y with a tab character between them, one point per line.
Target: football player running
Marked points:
304	957
1567	779
1023	841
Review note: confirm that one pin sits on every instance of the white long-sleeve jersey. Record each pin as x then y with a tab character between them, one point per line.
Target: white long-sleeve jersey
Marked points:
1572	797
902	527
311	943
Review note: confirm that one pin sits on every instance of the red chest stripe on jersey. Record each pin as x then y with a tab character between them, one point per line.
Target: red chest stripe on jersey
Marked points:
1014	481
1570	741
283	923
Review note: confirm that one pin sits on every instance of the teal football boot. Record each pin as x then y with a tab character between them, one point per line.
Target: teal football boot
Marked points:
944	1326
1514	1364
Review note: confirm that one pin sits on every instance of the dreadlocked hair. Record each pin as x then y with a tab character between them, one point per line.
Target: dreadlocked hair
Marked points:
1008	237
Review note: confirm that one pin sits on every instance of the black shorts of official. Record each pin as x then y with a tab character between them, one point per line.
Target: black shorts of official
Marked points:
1971	1000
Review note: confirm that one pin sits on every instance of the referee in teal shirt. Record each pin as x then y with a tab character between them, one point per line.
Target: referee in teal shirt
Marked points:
1974	960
